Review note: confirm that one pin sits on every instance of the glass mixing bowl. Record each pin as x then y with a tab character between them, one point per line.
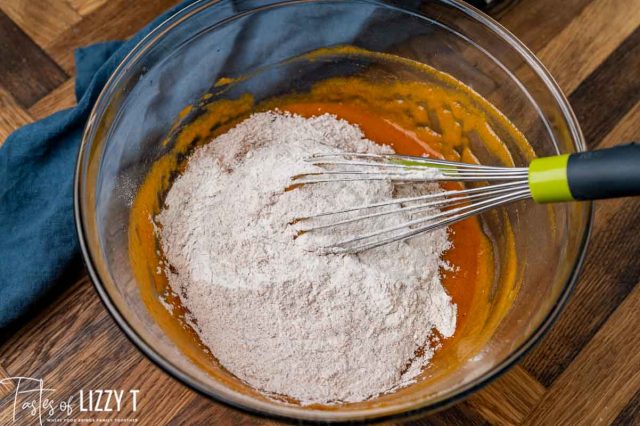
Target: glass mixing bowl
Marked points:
181	60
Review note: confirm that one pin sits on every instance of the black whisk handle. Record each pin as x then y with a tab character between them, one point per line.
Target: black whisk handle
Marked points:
606	173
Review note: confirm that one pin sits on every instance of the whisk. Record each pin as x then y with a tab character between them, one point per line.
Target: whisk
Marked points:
607	173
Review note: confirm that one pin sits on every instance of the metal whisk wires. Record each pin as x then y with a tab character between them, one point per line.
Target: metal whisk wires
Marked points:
497	186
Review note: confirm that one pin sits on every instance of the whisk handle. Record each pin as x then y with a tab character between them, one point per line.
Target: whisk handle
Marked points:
606	173
591	175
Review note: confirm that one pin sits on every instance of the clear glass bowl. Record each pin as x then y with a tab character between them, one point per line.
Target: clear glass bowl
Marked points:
182	59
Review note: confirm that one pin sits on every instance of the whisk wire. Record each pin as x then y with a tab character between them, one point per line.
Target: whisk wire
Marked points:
441	209
399	169
347	247
407	158
437	195
419	208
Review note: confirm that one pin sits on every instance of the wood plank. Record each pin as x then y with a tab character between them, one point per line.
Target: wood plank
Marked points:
85	7
602	379
41	20
12	115
606	95
200	410
25	70
34	340
509	399
630	415
124	17
532	22
8	386
60	98
459	414
589	39
609	275
161	397
625	131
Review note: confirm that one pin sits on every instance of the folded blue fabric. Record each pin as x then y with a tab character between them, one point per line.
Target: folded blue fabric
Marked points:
38	241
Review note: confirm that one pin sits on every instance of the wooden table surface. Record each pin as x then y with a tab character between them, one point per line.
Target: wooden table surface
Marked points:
585	371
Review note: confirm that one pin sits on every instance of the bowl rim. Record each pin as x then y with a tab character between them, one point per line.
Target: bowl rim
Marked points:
391	414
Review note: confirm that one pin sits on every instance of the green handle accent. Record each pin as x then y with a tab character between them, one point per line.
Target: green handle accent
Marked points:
548	179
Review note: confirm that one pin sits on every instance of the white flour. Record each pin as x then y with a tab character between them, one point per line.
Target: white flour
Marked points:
286	320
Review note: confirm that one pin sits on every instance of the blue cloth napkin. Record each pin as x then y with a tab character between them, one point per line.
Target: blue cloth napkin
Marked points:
38	241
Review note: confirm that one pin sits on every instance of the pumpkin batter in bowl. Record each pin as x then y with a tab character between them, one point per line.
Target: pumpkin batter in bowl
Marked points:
131	154
442	119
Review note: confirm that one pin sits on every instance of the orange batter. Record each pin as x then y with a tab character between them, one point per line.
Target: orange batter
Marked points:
416	118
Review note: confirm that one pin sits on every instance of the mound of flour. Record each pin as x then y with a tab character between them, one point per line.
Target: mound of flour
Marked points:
274	312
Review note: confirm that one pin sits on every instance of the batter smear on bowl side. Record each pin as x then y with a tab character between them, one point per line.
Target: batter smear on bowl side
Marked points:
273	311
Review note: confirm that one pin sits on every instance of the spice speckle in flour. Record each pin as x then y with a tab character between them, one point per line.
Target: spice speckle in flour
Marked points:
275	312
